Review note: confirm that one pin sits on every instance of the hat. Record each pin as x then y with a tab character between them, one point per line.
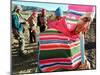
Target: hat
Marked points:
17	7
43	11
35	14
59	12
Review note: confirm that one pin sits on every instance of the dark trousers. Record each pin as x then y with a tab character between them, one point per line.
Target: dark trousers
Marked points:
42	28
32	36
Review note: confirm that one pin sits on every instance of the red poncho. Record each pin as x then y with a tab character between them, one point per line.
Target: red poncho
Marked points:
62	26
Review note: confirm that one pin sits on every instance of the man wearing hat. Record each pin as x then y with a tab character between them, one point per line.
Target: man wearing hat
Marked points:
17	27
59	13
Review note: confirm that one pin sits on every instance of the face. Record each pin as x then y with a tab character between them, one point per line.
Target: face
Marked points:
85	19
43	12
18	11
84	23
58	17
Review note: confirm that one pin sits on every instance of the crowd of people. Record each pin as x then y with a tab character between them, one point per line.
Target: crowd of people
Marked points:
37	23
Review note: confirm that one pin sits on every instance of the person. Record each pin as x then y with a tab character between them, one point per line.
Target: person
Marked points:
60	45
83	24
59	22
17	27
42	20
32	20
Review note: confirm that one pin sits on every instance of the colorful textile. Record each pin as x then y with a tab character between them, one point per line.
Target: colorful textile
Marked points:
75	12
83	8
62	26
57	52
60	48
77	17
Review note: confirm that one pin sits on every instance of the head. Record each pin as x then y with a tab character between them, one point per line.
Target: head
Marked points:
85	19
35	14
58	13
83	23
43	12
18	9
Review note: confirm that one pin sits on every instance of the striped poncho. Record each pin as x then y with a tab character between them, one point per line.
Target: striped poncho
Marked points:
57	52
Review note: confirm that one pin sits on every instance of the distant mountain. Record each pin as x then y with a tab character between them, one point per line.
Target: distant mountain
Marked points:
30	8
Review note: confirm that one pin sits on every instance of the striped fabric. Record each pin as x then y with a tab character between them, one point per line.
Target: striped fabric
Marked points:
84	8
75	12
57	52
60	50
72	19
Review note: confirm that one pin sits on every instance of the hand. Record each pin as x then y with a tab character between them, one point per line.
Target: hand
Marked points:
84	66
81	28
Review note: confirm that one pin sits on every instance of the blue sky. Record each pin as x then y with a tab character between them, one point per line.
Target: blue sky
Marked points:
48	6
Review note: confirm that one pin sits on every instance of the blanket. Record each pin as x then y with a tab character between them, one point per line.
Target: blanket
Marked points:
58	52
